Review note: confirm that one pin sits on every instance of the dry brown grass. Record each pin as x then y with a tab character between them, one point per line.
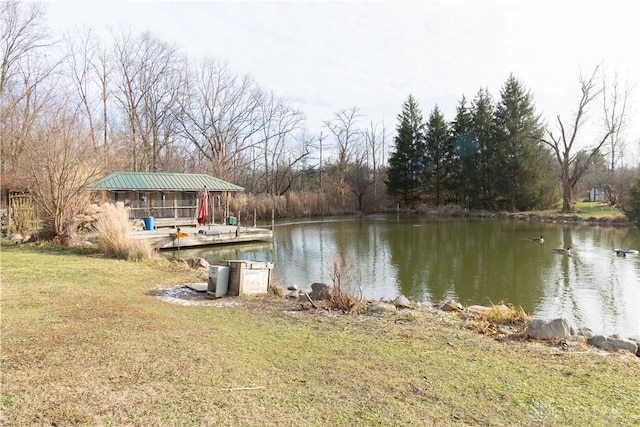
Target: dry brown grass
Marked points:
291	205
113	228
512	315
500	321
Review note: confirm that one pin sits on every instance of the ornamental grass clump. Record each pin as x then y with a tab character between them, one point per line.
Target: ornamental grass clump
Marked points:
507	315
501	320
114	235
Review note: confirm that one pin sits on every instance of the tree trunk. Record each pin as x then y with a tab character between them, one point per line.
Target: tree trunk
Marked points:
567	195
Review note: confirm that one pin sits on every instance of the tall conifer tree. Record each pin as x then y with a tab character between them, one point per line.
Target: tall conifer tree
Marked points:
439	158
518	154
465	151
407	161
483	114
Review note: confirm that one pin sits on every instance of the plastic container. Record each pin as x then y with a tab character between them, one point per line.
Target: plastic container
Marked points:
148	223
218	281
248	277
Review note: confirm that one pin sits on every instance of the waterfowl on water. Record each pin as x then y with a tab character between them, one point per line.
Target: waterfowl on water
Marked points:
622	252
537	239
563	250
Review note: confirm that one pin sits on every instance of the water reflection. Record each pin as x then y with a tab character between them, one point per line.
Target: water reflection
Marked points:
472	261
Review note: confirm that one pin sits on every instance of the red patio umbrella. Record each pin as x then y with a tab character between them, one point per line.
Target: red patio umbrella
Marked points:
203	211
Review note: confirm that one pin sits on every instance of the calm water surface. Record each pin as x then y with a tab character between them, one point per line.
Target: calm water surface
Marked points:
471	261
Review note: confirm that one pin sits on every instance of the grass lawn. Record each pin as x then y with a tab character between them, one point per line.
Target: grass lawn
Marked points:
586	211
86	341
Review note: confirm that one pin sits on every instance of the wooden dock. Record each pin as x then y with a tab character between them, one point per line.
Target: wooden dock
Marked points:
214	234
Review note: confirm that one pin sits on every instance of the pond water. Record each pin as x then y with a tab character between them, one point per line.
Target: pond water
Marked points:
474	261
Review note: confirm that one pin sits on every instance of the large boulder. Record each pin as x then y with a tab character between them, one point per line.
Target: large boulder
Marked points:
402	302
613	344
320	291
382	307
585	332
201	263
15	238
451	305
549	330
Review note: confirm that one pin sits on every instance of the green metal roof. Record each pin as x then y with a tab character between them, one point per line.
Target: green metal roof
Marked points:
150	181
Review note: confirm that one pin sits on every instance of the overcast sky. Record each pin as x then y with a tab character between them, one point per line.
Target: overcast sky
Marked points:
328	56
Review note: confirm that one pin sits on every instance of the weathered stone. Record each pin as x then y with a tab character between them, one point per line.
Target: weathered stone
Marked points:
402	302
320	291
15	238
635	339
622	344
599	341
405	315
548	330
201	263
451	305
613	344
585	332
292	288
381	307
293	294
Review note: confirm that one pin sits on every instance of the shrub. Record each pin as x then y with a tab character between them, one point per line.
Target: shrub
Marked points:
114	235
346	293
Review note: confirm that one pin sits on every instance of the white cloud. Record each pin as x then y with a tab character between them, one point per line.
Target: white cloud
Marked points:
328	56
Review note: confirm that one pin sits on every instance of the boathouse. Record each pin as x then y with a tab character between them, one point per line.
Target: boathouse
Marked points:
171	199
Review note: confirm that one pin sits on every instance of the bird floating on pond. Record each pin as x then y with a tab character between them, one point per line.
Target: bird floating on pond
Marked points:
563	250
625	252
537	239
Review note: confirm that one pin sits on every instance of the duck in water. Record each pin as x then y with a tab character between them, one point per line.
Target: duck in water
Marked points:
563	250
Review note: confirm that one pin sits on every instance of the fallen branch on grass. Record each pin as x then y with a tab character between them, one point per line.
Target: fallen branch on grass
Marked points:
310	300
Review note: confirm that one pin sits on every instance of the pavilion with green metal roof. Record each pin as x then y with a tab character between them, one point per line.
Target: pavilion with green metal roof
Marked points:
171	198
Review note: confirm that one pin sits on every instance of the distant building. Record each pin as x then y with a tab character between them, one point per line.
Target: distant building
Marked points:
597	194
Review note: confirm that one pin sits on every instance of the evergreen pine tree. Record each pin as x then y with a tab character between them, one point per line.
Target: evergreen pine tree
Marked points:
465	152
518	153
407	161
439	157
483	114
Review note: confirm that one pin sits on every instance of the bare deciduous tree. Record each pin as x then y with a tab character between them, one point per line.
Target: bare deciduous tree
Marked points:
375	146
23	38
564	144
615	98
151	79
344	128
82	48
220	116
279	123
